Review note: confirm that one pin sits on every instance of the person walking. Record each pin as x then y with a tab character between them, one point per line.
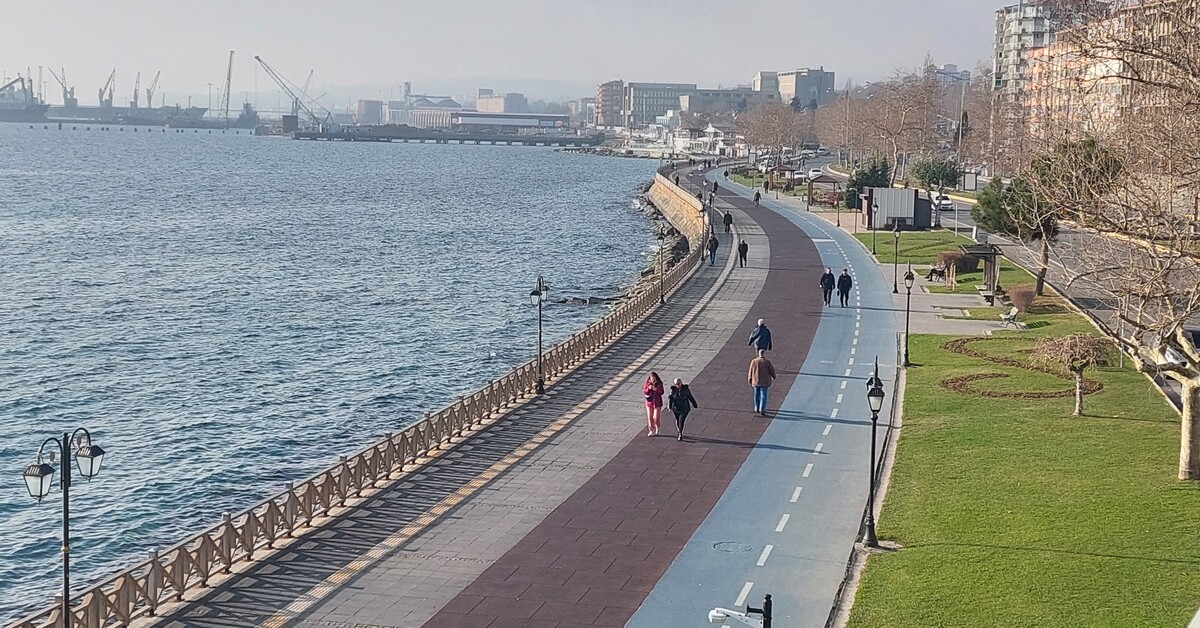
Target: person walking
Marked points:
743	249
713	243
844	284
760	338
681	403
827	284
653	390
757	197
676	179
760	376
728	220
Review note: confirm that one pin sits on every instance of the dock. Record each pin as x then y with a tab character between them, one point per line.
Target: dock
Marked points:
422	136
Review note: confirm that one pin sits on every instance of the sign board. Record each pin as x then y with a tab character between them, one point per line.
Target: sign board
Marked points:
752	158
969	182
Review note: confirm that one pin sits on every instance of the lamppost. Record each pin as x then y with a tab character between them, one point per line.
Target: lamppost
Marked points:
909	279
875	402
537	297
765	614
896	258
662	295
837	202
874	224
39	479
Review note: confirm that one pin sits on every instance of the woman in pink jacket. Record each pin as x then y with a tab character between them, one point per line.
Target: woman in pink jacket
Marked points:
653	389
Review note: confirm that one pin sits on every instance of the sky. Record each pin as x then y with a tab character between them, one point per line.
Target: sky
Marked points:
551	49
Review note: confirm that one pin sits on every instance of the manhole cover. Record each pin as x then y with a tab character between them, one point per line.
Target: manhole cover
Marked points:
730	546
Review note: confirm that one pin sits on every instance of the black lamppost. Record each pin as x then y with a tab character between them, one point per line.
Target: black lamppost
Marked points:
874	224
662	295
909	279
837	202
896	258
39	479
875	401
537	297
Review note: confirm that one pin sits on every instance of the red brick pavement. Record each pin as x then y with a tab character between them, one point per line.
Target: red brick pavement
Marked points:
594	559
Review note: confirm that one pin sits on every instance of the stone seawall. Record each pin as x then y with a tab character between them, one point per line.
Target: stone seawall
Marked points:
681	209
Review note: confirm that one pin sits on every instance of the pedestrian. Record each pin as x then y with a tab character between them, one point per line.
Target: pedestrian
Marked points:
676	179
844	284
700	197
712	198
760	376
712	249
765	188
726	175
653	389
827	283
714	187
728	220
760	338
743	249
757	197
681	403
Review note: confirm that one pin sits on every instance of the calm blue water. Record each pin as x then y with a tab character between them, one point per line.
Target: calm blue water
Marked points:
227	313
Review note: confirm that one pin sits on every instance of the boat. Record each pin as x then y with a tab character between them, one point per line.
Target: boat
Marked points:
248	119
21	105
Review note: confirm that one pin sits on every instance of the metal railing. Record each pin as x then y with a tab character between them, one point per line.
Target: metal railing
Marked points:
164	577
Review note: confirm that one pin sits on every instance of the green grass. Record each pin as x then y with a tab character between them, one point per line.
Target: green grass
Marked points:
919	247
1011	276
755	183
1010	512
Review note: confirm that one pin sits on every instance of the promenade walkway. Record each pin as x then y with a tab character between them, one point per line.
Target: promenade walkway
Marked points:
565	514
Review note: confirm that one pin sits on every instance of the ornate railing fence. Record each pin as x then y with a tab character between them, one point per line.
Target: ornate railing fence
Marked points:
165	576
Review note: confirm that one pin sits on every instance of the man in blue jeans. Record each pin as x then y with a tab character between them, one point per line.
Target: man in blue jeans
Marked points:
761	374
712	249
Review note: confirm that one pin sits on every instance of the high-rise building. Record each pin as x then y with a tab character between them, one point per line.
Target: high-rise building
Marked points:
765	81
643	102
806	87
1020	29
369	112
609	100
512	102
725	100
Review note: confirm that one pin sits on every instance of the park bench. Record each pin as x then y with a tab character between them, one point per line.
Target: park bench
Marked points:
1009	318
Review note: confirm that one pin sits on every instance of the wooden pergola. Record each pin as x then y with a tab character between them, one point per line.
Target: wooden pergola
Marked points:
821	180
989	254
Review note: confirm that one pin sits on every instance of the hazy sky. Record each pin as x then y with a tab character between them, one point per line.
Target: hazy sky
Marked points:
379	43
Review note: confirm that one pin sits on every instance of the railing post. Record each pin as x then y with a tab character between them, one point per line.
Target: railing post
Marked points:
153	583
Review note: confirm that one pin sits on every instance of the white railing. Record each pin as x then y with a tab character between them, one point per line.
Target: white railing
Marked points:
164	577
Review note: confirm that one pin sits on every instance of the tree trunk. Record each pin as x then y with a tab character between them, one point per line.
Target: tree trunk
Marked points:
1189	437
1043	267
1078	392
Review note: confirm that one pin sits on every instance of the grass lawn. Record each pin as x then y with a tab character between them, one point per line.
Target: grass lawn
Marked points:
919	247
755	183
1010	512
1010	276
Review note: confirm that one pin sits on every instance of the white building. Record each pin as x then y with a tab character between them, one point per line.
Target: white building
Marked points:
1020	29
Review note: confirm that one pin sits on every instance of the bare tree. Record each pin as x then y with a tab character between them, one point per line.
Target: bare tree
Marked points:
773	126
899	115
1075	353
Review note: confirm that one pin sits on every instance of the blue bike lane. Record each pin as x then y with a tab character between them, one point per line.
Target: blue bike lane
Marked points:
788	521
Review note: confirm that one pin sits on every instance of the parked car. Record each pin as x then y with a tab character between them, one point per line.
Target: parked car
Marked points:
814	173
943	203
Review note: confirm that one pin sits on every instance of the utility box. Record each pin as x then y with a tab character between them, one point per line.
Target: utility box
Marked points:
885	208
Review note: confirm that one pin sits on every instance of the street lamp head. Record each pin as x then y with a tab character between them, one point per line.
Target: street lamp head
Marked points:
896	232
535	297
88	458
661	238
875	399
909	279
39	478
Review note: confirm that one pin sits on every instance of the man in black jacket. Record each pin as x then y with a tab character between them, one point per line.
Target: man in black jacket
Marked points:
743	249
827	283
844	284
728	220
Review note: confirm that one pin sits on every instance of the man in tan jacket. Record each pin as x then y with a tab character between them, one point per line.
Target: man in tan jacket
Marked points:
762	372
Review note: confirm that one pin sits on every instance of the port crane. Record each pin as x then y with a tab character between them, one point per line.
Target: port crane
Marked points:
106	92
137	90
293	92
225	94
150	90
68	93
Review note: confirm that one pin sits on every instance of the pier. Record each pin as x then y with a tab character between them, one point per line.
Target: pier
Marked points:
422	136
509	508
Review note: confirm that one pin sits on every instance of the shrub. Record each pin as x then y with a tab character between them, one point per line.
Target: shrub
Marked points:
1022	297
962	262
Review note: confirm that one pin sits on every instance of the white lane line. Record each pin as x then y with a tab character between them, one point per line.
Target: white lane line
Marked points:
857	324
796	494
741	598
782	522
762	558
856	332
817	449
851	362
839	397
833	413
843	384
827	429
853	350
807	470
847	374
856	339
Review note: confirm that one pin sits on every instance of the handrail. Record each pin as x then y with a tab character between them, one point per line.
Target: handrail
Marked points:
164	577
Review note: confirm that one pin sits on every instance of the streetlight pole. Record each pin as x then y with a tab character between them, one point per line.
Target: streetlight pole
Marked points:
909	279
874	224
39	479
537	297
875	396
896	258
662	295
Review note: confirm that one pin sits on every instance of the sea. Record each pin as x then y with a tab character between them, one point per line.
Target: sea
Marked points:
225	313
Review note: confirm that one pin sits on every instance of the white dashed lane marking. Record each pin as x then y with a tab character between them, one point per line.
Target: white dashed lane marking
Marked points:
827	429
762	558
782	522
741	598
807	469
796	494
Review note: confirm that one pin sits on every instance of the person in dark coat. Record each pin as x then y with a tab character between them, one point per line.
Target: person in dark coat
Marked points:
760	338
713	243
766	187
844	284
757	197
681	403
728	220
676	179
714	187
828	281
743	249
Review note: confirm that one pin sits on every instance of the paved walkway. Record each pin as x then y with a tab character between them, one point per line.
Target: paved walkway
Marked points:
565	514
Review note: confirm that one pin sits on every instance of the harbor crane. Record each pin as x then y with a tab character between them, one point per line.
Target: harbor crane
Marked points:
293	92
150	90
106	91
68	93
225	94
137	90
